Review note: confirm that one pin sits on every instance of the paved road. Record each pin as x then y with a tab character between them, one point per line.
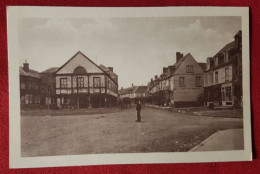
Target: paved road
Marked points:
160	131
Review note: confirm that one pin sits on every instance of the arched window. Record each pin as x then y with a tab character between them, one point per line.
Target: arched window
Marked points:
80	70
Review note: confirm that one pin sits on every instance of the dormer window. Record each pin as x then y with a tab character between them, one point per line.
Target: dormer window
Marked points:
216	61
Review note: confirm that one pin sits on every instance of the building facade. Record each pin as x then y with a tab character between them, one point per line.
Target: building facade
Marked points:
133	94
80	83
29	87
180	84
223	76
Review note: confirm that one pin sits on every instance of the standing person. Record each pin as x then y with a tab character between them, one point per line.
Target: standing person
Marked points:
138	110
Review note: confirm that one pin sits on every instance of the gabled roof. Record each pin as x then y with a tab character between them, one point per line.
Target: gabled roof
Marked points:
177	64
90	61
30	73
127	90
133	89
140	89
50	70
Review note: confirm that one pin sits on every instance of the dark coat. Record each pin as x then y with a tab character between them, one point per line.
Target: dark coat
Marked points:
138	107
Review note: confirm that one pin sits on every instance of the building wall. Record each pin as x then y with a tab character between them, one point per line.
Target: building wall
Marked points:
29	92
189	92
221	76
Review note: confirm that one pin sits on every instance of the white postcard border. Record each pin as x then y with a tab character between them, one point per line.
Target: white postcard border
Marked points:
15	159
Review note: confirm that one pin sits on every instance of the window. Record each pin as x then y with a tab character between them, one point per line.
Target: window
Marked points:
226	74
216	61
228	93
96	82
108	84
206	79
227	56
216	77
181	82
189	68
80	70
80	82
63	82
23	99
198	81
211	78
29	86
22	85
30	98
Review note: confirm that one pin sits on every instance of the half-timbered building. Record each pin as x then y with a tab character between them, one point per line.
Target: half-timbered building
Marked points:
80	83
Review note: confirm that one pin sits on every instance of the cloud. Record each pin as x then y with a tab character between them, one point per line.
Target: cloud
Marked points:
199	41
137	48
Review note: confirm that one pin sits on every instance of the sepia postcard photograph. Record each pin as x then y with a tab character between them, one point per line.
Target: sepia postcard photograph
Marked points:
93	86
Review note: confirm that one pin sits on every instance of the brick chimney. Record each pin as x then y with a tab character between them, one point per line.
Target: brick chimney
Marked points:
110	69
26	66
178	56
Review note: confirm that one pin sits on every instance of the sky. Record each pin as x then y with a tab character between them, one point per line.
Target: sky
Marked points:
137	48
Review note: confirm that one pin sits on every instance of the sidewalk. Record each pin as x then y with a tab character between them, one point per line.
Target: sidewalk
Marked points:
204	111
156	106
230	139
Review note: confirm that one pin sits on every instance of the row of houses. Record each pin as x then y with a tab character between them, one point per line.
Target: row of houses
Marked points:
133	94
79	83
218	82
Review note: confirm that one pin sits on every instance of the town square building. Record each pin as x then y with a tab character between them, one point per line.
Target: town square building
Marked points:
80	83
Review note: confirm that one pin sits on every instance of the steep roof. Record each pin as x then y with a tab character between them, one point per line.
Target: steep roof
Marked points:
203	66
112	74
226	47
50	70
127	90
90	61
30	73
140	89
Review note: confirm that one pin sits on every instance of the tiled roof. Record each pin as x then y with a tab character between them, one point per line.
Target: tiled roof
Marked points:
30	73
107	70
140	89
203	66
226	47
127	90
133	89
50	70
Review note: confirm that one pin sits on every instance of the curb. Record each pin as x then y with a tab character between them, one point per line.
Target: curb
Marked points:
204	142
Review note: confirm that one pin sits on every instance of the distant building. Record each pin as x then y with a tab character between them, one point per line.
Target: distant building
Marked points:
48	88
29	87
134	93
223	76
80	83
180	84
